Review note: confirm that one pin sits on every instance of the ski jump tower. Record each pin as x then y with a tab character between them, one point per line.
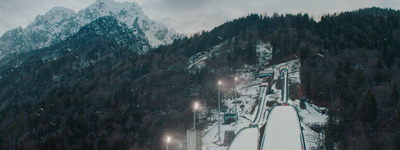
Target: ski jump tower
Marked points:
284	72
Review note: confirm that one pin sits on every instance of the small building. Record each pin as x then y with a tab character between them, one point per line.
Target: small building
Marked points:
267	83
265	73
264	84
229	136
178	144
194	140
230	117
283	68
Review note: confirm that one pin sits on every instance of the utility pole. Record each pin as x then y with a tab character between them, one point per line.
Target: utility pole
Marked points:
196	106
219	110
168	140
236	101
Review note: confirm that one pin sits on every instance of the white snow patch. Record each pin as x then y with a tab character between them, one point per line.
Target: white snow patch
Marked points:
197	61
264	52
56	78
313	116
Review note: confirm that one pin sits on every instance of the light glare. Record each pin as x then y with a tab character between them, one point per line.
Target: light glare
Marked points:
168	139
196	105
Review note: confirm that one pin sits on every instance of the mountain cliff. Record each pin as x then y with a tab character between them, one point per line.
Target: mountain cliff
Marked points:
59	23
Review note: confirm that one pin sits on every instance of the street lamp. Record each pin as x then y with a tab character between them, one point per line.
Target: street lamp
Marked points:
236	99
168	140
196	106
219	110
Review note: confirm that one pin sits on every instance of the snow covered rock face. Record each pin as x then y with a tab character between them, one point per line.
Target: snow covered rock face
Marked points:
59	23
15	38
53	16
114	30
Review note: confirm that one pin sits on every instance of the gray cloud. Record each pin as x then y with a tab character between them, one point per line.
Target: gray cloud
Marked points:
189	16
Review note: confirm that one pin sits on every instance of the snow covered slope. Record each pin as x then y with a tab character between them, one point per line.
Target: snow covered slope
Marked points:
282	130
59	23
246	139
310	118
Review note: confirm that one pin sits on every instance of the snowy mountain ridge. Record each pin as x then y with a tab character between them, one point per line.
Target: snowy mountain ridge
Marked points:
59	23
53	16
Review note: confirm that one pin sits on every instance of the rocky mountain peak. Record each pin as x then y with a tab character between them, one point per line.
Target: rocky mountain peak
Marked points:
60	23
112	29
54	15
125	12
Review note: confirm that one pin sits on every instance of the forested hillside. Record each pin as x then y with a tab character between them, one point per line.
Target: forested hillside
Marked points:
351	65
96	93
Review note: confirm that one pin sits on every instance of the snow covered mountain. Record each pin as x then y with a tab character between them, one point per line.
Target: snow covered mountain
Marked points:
59	23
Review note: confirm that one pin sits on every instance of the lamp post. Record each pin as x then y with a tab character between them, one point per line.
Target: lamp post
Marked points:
168	140
196	106
219	110
236	99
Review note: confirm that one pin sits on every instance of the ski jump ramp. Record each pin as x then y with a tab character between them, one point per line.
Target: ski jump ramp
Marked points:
246	139
283	130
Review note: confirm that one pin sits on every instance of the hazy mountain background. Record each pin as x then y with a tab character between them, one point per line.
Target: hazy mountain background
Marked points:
59	23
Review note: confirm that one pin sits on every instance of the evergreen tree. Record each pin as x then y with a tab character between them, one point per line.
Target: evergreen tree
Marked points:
369	108
121	145
395	93
379	65
330	132
358	78
389	56
397	131
347	68
380	76
304	52
398	64
53	142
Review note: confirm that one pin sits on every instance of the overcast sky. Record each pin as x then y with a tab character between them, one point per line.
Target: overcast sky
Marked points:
189	16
